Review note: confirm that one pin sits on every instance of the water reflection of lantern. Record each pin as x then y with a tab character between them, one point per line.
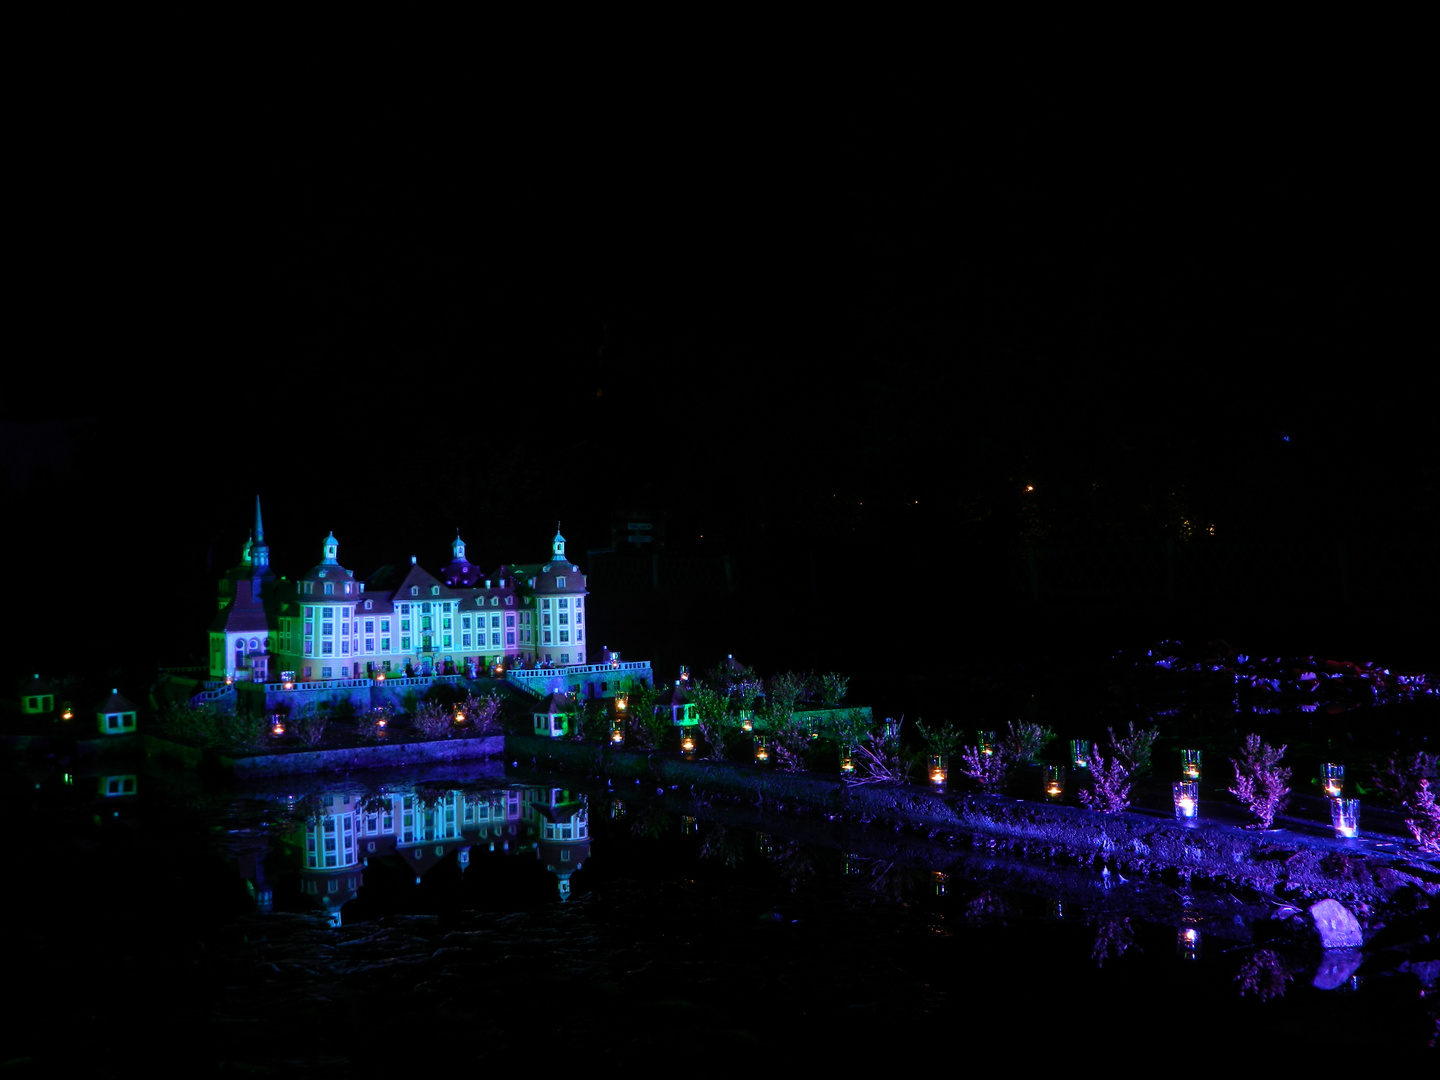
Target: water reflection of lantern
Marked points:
986	740
617	809
762	753
847	762
67	713
939	879
1080	753
892	728
1345	815
1187	943
1052	780
688	825
1187	799
617	734
939	772
1190	764
1332	778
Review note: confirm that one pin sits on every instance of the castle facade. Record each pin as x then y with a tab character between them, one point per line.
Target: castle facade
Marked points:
329	624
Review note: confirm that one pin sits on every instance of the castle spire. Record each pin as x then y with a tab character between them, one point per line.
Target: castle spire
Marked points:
557	546
259	550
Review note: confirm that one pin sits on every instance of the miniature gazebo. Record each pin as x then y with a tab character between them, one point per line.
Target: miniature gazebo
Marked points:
681	705
116	715
36	696
553	715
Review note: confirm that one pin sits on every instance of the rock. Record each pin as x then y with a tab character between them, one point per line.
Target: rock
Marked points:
1337	926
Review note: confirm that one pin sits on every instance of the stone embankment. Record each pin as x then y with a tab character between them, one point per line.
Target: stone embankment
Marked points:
1145	840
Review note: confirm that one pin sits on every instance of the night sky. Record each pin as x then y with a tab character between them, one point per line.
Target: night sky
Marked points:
839	332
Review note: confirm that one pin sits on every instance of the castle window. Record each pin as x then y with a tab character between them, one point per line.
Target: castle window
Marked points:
564	602
384	626
414	590
348	586
329	588
559	582
385	647
509	620
509	601
509	637
434	590
404	644
425	609
369	626
367	604
326	649
494	601
564	637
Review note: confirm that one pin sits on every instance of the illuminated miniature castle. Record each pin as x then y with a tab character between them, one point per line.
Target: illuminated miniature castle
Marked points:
328	624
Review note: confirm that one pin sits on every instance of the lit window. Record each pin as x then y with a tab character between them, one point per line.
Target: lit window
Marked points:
329	588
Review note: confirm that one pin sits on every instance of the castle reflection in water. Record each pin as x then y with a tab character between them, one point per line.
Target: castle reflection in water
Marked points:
417	829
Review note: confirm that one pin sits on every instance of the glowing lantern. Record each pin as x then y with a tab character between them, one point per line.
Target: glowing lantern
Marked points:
67	713
277	728
847	763
1345	815
1052	779
747	723
1332	778
617	734
621	700
986	740
1187	799
1190	764
939	772
687	743
229	678
762	753
459	716
380	676
1080	753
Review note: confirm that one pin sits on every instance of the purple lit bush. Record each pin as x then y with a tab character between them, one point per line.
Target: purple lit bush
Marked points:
1261	783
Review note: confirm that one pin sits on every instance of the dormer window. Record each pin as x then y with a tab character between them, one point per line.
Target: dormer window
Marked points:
434	590
509	601
559	582
494	601
414	590
367	605
329	588
348	586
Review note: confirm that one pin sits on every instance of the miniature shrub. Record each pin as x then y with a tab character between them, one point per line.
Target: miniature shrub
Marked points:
1134	748
433	720
1426	822
1110	783
991	771
1260	781
833	686
1026	741
940	738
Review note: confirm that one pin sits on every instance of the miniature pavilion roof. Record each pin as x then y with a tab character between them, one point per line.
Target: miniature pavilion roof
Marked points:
557	703
115	704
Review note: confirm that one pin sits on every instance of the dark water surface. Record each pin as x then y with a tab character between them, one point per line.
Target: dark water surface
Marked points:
180	929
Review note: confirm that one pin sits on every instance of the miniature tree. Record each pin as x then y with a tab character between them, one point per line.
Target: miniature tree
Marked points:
1260	781
1110	783
433	720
